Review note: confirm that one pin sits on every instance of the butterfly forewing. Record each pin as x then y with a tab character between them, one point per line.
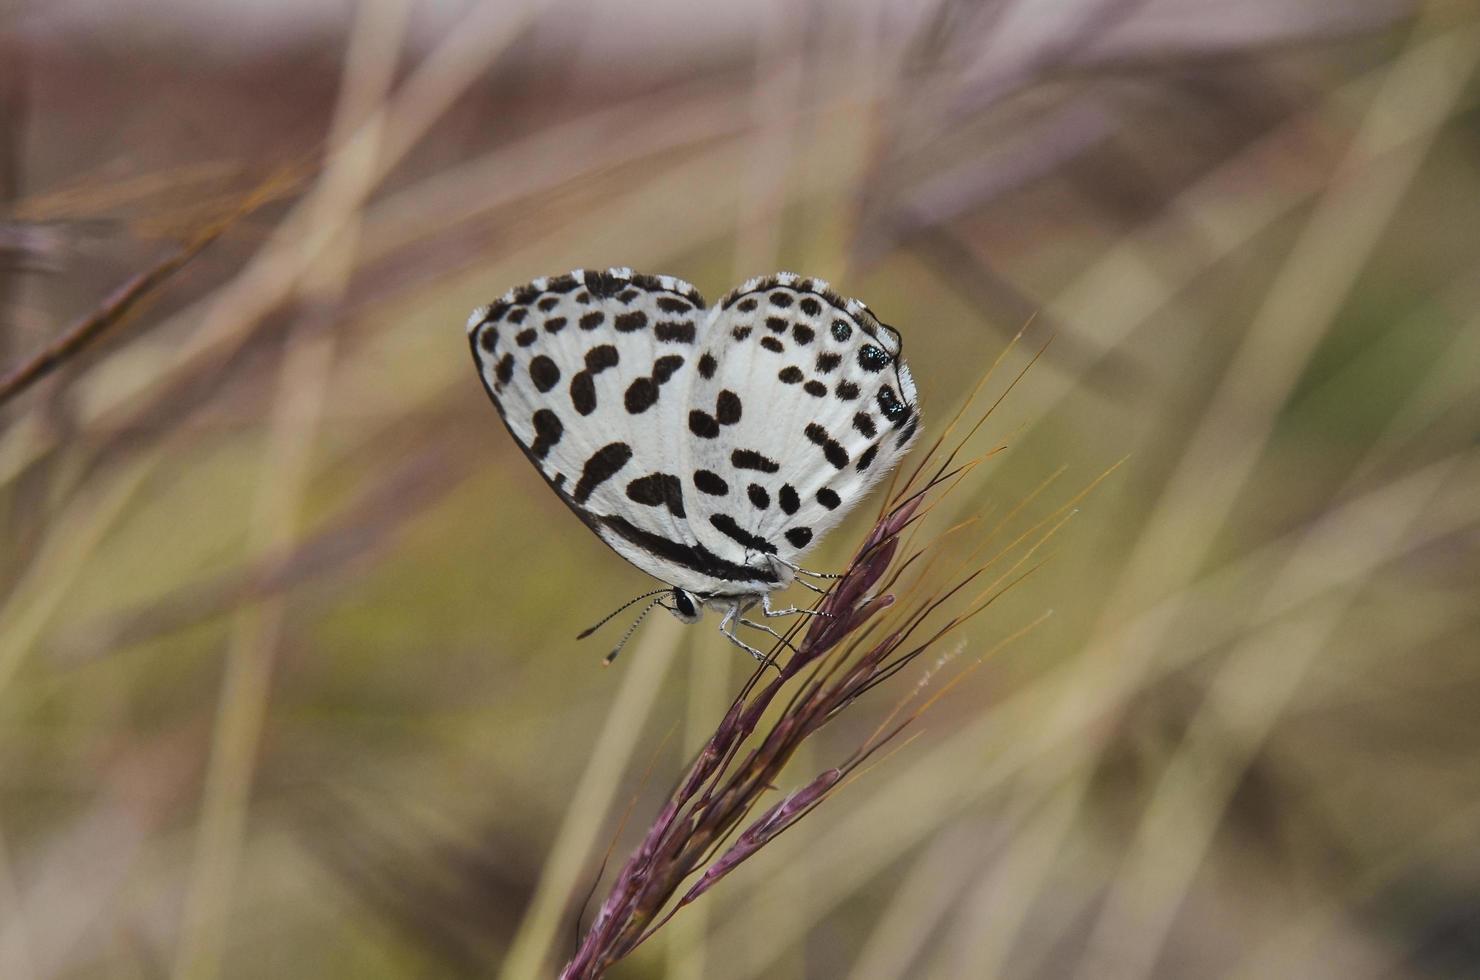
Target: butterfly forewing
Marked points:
799	404
707	447
590	372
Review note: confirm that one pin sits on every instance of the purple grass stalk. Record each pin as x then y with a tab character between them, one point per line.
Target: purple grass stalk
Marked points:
692	843
692	838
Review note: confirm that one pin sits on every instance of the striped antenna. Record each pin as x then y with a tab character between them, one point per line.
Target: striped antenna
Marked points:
606	661
607	618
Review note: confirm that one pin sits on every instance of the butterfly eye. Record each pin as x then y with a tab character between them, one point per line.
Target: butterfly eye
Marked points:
684	604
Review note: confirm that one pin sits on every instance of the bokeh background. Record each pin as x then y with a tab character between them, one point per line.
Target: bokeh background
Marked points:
288	677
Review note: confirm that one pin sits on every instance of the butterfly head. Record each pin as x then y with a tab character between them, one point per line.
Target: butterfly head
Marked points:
687	607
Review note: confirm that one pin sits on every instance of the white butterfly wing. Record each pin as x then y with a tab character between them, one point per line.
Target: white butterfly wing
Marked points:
800	403
590	372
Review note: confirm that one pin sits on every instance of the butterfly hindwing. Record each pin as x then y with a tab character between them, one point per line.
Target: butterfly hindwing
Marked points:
590	372
701	445
799	404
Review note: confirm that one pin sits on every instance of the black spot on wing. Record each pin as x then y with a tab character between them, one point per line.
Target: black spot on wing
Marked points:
773	345
555	324
841	330
593	320
846	390
867	459
725	524
642	394
547	432
826	363
544	373
777	324
707	366
583	393
602	466
746	305
672	304
831	448
658	490
749	459
828	498
894	410
727	407
802	334
788	499
548	303
872	359
815	388
810	306
630	322
710	483
488	338
791	374
799	536
583	385
604	283
864	423
726	412
703	425
779	298
675	331
505	369
758	496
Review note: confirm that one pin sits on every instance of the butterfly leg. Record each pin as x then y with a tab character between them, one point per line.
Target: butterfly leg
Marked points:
728	632
766	629
799	570
808	585
792	611
804	571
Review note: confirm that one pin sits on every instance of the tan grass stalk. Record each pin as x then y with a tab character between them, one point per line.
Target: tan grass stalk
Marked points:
569	857
303	384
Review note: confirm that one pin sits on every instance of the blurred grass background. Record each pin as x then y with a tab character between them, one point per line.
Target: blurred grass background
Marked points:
288	684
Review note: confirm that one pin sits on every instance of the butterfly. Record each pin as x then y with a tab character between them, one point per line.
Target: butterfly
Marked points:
710	447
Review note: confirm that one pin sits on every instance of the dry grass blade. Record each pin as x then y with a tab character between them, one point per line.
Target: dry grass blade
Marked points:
598	787
124	300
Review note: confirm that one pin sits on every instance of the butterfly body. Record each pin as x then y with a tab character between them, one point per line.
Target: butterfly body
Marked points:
709	446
